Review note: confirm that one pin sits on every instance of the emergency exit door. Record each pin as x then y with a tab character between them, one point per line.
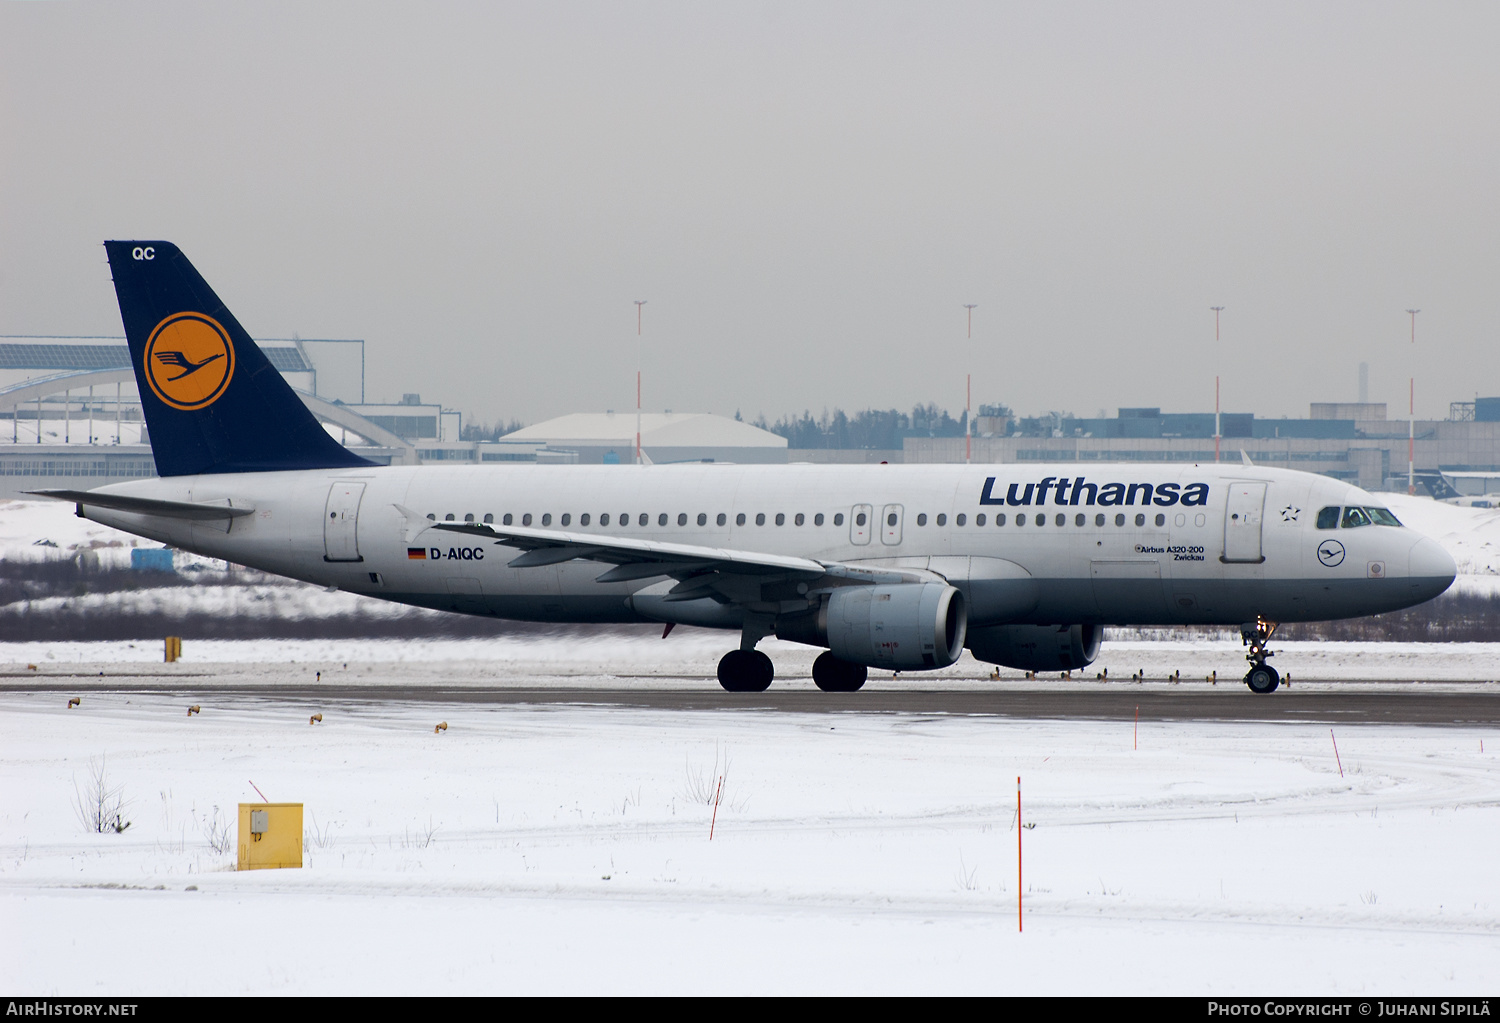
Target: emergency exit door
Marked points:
890	525
860	524
341	522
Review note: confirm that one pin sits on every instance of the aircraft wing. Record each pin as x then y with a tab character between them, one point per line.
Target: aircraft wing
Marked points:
703	571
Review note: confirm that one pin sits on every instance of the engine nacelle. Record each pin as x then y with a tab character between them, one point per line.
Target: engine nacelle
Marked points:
1037	647
904	626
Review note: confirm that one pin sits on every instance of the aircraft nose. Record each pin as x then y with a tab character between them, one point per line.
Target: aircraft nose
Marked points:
1432	569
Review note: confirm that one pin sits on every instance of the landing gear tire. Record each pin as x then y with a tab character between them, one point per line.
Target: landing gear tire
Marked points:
746	671
1262	679
834	675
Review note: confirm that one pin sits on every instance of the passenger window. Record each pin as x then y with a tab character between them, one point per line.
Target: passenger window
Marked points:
1161	520
799	519
546	518
643	519
890	520
760	518
1140	520
722	519
859	520
780	519
526	519
1000	519
661	520
958	521
1328	518
838	518
507	520
922	519
942	519
1080	519
489	517
979	519
604	519
583	519
448	517
702	519
739	520
431	517
1354	518
468	516
1099	519
566	519
1062	520
1021	519
818	519
1119	520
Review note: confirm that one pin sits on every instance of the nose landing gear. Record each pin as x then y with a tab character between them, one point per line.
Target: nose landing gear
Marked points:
1261	678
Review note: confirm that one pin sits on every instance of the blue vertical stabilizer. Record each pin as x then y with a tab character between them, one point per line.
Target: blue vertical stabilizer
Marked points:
213	402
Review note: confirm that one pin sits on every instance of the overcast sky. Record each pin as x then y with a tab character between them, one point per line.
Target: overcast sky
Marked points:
805	194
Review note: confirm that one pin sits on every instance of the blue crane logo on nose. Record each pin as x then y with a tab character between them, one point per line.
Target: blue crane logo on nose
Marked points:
1331	553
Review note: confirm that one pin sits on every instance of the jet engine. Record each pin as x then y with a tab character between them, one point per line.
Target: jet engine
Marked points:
1037	647
904	626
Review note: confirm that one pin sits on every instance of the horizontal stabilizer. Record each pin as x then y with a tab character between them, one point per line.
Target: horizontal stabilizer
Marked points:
195	510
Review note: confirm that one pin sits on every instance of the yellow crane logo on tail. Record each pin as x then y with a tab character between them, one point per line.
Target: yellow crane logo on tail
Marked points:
189	360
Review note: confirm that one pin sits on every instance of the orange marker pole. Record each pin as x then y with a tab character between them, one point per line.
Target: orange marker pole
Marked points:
717	793
1019	831
1336	753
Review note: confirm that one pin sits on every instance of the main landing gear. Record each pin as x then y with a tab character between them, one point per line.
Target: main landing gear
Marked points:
1261	678
833	675
746	671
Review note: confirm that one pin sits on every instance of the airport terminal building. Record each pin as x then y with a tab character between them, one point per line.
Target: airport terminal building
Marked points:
1351	441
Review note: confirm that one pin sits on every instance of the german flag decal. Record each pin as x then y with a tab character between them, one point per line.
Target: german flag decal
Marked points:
416	553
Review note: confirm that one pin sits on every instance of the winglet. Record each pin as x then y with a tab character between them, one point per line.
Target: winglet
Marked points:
1246	457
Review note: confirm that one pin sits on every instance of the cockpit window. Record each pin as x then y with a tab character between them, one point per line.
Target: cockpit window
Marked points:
1354	517
1382	517
1328	518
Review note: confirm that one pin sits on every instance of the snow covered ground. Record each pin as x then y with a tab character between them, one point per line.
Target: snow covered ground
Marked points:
691	656
566	849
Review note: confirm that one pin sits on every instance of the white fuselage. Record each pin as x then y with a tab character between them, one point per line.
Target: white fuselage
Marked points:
1094	557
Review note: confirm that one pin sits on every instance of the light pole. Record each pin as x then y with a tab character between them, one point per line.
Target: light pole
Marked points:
969	387
1217	431
639	358
1411	411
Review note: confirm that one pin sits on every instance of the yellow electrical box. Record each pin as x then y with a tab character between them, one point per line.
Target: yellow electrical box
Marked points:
270	835
173	648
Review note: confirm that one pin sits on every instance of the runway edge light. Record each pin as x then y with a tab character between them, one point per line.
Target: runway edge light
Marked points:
270	836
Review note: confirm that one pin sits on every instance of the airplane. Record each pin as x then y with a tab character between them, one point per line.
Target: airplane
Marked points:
1439	486
892	567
